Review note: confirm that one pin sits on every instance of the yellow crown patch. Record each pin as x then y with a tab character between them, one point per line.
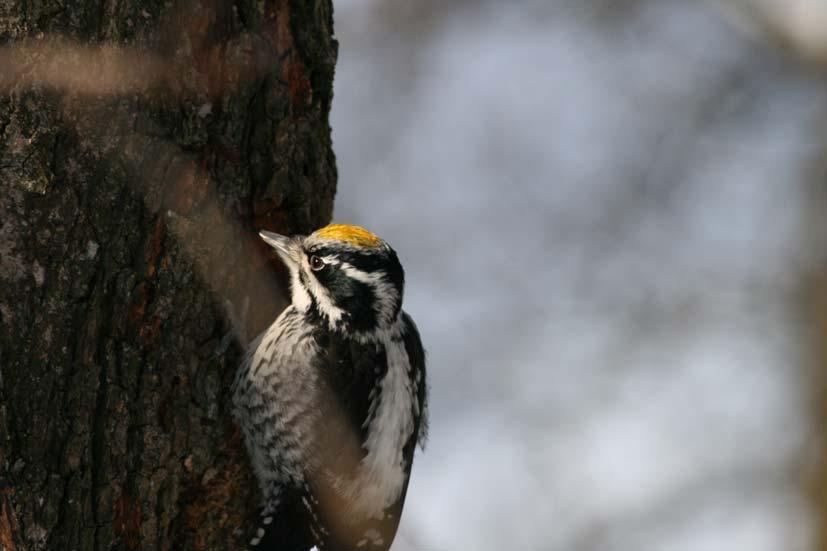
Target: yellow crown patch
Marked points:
354	235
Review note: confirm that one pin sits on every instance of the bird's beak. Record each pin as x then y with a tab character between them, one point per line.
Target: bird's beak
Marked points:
285	246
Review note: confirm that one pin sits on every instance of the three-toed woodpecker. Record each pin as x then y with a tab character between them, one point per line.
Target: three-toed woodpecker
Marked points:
331	398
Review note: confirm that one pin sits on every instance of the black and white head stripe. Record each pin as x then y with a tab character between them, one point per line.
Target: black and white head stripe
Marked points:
344	275
355	289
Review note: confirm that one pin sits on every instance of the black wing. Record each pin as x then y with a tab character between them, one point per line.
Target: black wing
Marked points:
416	355
352	371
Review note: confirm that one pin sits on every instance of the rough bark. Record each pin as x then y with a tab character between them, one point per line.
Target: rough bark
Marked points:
143	143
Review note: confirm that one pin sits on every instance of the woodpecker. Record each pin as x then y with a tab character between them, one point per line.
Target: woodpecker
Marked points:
332	397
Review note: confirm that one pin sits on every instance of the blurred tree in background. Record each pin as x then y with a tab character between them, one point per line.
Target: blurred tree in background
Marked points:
799	29
814	308
141	144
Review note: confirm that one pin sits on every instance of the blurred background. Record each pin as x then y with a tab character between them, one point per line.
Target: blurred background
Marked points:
612	218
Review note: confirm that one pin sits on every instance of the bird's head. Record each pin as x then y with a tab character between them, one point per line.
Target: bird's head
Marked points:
345	274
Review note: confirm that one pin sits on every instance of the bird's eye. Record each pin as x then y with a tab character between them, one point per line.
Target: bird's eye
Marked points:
316	263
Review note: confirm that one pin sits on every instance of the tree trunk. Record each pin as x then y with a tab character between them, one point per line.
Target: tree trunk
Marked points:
143	144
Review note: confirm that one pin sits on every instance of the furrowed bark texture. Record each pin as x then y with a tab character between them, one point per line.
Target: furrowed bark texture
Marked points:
142	144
